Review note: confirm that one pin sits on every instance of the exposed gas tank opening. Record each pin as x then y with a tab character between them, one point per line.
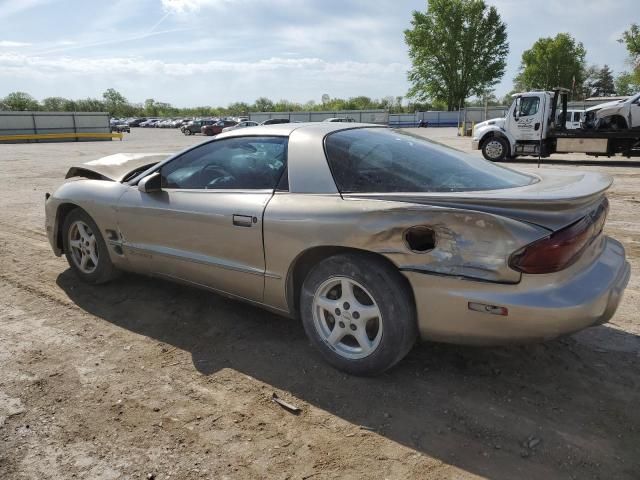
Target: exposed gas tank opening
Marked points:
420	239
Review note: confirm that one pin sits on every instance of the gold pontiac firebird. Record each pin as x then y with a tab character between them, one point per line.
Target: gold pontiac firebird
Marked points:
373	237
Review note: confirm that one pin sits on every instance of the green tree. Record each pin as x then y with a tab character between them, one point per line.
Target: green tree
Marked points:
20	101
115	102
263	104
627	84
457	48
150	108
90	105
552	62
631	40
54	104
604	85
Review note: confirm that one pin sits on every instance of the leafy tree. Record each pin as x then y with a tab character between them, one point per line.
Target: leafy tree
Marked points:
263	104
115	102
631	40
457	48
604	85
627	84
54	104
552	62
20	101
150	108
239	108
90	105
325	98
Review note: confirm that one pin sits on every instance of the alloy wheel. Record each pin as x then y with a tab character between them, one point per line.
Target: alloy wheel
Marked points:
84	248
347	318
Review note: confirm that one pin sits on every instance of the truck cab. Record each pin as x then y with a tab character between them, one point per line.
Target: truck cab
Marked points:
538	124
519	132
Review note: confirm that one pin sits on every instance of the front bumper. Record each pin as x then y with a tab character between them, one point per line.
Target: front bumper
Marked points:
475	144
540	307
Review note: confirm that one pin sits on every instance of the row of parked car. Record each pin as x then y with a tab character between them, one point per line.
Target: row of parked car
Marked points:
205	126
214	126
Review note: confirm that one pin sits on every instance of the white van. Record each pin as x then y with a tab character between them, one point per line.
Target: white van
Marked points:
573	118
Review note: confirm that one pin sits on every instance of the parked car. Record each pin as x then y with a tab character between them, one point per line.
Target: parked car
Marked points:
375	237
118	125
176	123
243	124
339	120
149	123
216	128
275	121
617	115
137	121
194	126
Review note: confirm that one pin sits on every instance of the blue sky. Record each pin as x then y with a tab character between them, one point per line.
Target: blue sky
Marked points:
213	52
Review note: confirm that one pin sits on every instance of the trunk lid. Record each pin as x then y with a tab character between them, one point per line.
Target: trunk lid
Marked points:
557	199
116	167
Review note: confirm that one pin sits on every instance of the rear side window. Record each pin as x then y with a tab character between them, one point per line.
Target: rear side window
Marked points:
378	160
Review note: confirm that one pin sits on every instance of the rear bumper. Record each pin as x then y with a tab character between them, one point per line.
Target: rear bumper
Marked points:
540	307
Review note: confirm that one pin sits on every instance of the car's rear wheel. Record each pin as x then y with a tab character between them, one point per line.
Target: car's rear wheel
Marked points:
358	311
85	248
495	149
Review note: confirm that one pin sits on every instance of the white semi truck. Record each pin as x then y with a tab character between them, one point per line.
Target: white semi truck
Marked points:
533	126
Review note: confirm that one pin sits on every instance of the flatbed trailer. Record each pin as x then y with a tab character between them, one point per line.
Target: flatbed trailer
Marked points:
530	128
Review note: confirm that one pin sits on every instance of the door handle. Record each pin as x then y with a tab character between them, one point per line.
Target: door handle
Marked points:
536	127
243	220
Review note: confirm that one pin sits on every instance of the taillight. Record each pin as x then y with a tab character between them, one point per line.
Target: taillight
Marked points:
560	249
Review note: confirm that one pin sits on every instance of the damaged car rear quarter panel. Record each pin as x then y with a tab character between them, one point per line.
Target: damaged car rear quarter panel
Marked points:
468	244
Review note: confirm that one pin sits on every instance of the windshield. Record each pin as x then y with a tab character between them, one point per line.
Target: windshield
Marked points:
377	160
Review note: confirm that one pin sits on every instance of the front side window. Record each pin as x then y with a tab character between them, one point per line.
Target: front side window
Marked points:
528	106
254	163
377	160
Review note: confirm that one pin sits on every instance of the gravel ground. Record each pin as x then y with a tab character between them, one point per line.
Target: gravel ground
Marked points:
145	379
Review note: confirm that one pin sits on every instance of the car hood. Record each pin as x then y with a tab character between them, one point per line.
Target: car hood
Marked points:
498	122
557	199
615	103
116	167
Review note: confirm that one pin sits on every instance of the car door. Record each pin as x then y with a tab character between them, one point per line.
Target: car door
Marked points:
204	225
526	118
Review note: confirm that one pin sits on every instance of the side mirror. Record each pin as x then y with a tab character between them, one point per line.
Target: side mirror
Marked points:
150	183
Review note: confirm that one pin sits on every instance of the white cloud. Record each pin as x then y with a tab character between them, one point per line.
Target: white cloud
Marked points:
184	6
18	64
11	44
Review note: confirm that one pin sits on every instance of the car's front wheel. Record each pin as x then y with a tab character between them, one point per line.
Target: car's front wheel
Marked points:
359	313
187	131
85	248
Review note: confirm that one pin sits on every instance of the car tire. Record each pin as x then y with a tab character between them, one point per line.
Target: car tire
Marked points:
187	132
371	326
495	149
85	249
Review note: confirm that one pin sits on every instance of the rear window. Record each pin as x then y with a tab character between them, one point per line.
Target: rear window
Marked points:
378	160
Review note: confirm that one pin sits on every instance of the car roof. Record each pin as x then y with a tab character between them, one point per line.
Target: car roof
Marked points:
285	129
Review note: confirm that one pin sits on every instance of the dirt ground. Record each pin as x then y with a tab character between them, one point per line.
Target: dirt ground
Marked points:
145	379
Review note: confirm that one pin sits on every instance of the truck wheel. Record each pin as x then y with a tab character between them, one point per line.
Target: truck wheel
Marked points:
359	313
495	149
